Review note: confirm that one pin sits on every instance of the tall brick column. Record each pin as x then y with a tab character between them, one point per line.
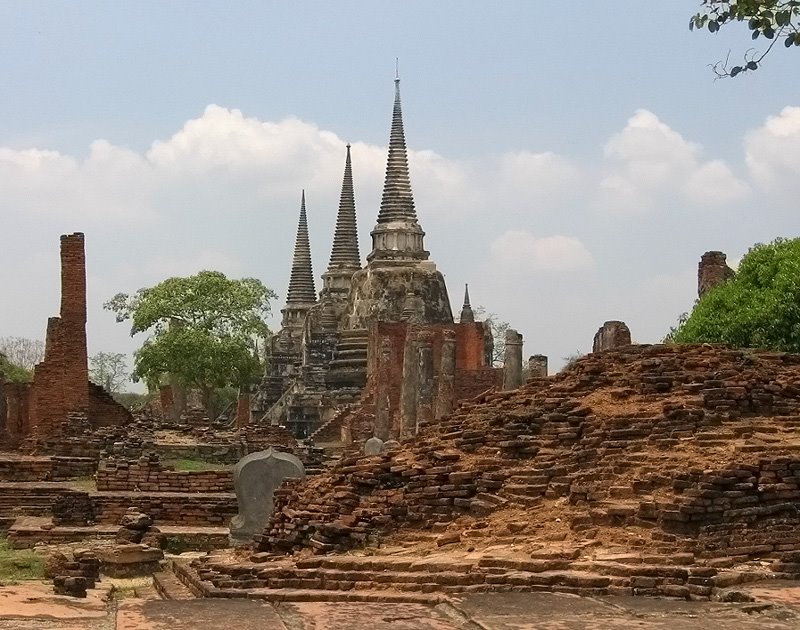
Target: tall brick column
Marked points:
382	402
425	387
243	410
445	394
408	390
72	328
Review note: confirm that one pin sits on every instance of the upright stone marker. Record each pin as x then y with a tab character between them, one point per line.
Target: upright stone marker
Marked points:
373	446
255	478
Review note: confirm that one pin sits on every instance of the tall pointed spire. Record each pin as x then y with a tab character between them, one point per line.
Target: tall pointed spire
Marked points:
344	253
397	202
467	314
301	282
398	235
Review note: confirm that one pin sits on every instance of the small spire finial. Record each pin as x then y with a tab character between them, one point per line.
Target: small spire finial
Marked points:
397	68
467	314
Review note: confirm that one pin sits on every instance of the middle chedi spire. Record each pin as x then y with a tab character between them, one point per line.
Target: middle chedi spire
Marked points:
397	235
345	258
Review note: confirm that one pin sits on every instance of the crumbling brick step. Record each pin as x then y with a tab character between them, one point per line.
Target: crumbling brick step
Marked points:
168	586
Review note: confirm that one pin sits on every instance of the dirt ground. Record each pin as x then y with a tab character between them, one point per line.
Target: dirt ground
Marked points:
32	606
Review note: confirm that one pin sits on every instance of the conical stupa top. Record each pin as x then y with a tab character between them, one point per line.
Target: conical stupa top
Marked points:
301	282
344	253
467	314
397	202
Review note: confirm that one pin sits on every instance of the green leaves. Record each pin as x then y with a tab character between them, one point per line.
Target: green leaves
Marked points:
772	19
202	329
758	308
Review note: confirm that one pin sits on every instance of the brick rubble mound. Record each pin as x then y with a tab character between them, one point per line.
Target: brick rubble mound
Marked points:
668	449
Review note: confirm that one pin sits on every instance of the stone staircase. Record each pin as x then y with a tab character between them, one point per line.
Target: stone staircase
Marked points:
576	571
348	368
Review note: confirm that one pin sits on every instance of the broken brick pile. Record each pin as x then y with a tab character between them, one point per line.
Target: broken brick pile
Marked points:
671	448
77	575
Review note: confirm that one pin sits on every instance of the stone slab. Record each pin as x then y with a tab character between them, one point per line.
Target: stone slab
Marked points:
256	477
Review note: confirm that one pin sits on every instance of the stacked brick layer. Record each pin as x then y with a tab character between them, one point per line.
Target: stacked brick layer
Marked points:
148	475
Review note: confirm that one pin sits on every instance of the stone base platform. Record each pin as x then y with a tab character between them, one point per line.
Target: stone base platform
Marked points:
29	530
405	577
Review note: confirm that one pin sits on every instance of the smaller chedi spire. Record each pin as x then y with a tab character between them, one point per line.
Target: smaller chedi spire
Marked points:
301	282
467	314
345	257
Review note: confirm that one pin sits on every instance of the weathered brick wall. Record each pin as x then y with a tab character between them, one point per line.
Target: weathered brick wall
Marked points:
104	411
148	475
16	413
21	468
191	509
49	408
471	383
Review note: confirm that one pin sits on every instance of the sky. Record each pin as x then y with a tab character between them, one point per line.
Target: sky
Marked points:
570	162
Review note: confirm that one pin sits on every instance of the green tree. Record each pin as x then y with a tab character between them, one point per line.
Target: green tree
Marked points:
774	20
109	370
10	371
758	308
202	331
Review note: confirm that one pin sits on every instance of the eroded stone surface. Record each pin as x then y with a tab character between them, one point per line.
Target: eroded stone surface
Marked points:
255	478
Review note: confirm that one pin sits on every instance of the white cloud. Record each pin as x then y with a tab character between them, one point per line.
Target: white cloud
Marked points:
521	250
714	184
648	162
773	155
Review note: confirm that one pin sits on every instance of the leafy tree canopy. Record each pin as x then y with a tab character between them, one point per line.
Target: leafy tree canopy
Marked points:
773	20
202	330
758	308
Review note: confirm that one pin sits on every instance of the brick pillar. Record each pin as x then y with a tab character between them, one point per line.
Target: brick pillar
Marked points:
382	402
425	382
610	335
512	365
243	410
537	366
408	391
712	270
48	408
72	332
446	392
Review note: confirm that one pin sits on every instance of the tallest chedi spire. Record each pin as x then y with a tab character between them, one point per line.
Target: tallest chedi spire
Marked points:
397	235
398	269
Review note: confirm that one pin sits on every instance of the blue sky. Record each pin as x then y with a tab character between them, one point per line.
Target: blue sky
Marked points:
571	164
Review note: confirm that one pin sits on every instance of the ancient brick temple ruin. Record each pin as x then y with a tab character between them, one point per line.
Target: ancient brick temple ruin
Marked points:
60	399
712	270
378	352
